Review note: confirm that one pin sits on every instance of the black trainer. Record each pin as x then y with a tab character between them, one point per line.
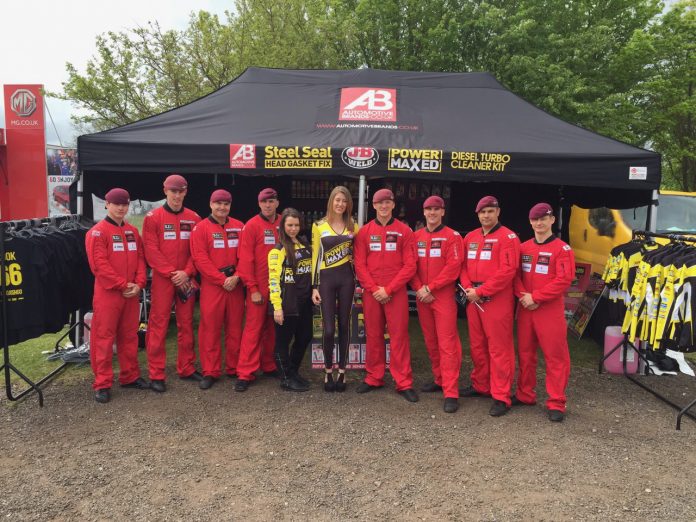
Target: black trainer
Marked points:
195	376
498	409
409	394
556	415
293	384
158	386
206	383
363	387
516	402
102	395
451	405
431	387
241	385
138	384
301	379
470	391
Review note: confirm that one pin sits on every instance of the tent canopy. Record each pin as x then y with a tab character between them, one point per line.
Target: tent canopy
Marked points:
383	124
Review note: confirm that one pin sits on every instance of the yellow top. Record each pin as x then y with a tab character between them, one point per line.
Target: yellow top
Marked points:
330	249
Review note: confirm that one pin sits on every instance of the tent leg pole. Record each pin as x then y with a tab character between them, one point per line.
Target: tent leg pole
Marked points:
80	193
652	212
361	201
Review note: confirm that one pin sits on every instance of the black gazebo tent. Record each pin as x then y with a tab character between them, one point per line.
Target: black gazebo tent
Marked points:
380	124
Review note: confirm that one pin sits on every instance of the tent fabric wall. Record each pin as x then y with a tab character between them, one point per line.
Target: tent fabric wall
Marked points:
421	123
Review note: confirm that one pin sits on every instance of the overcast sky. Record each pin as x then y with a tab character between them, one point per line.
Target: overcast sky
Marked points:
37	39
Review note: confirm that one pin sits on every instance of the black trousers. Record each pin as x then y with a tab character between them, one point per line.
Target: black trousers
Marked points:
336	284
296	328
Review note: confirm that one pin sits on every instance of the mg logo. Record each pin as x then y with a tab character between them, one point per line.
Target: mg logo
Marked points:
23	103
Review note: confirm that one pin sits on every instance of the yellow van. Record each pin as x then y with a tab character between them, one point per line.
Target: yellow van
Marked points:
595	231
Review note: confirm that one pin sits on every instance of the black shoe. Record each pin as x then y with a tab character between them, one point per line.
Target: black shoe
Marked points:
556	415
293	384
273	374
301	379
195	376
329	384
470	391
103	395
363	387
431	387
158	386
241	385
206	382
138	384
498	409
409	394
341	382
451	405
516	402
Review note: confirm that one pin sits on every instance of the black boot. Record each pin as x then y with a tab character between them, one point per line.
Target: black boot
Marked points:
341	381
329	384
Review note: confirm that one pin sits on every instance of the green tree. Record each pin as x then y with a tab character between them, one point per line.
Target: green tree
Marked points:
661	100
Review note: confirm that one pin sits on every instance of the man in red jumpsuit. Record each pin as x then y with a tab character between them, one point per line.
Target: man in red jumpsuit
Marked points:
491	257
115	255
215	251
259	236
166	235
385	261
547	270
439	251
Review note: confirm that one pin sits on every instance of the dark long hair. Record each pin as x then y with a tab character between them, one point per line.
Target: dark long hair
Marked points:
285	240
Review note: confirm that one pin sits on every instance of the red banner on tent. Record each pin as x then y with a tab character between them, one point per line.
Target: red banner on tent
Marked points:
24	195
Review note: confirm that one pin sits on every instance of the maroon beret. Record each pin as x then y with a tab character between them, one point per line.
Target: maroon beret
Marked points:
268	193
434	201
486	201
540	210
118	196
175	182
220	195
382	195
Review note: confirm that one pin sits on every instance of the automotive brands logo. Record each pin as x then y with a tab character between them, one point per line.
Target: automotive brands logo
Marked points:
360	157
415	160
297	157
242	156
367	104
23	103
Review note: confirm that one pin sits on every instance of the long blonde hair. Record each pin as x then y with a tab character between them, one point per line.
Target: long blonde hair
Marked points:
348	213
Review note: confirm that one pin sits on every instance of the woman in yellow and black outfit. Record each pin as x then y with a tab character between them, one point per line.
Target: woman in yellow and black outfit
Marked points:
333	280
290	285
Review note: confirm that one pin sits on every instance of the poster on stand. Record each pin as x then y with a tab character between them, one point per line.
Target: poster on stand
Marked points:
356	346
577	288
580	319
61	167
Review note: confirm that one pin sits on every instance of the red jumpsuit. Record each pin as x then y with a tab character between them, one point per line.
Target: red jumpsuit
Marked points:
385	256
166	236
115	255
258	341
547	270
215	247
490	264
439	265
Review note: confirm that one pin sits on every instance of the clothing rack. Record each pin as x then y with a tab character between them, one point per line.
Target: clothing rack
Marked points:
7	365
625	344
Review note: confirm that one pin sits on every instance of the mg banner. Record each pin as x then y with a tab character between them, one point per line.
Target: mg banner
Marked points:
24	188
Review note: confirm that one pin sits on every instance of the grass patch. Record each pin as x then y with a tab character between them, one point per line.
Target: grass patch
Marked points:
27	356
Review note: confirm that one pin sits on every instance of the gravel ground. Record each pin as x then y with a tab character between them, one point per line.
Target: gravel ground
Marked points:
269	454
